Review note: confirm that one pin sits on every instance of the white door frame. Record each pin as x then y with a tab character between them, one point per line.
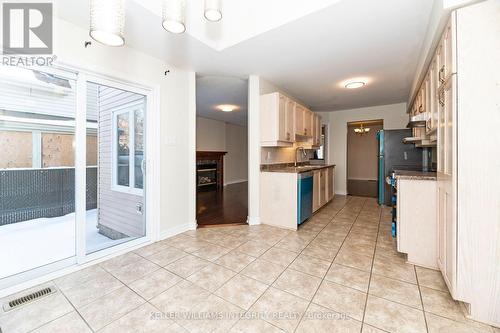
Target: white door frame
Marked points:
152	188
253	132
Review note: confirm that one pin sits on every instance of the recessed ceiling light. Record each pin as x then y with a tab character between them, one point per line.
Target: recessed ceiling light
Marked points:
227	107
355	82
354	85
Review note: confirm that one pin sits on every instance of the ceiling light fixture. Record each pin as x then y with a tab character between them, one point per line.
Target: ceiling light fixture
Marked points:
174	16
355	85
107	21
213	10
227	107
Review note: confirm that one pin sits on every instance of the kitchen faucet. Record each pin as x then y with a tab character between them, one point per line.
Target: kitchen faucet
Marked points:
303	152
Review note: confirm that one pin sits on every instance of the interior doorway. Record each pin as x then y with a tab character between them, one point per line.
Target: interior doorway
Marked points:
221	151
362	157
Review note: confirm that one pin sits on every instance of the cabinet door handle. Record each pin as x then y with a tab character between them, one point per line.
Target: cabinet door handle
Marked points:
441	98
441	74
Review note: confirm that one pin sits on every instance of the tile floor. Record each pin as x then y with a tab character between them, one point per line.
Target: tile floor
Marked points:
339	273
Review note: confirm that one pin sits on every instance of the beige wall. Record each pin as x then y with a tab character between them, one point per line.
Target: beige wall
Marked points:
214	135
210	135
393	115
236	158
362	160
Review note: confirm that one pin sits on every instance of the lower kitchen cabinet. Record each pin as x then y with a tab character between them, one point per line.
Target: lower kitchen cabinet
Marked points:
323	189
416	223
281	196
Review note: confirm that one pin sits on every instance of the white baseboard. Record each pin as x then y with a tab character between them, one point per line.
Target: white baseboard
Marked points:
341	192
179	229
253	220
236	182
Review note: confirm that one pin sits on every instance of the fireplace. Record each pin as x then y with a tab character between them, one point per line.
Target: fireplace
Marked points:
209	170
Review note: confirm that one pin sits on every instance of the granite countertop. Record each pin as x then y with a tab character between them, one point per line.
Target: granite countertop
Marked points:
417	175
290	168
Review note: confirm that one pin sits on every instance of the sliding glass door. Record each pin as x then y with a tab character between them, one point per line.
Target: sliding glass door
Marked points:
49	216
118	117
37	168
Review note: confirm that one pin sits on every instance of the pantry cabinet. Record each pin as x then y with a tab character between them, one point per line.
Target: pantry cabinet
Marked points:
432	83
463	113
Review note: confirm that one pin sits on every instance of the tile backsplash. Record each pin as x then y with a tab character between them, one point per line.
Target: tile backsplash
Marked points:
274	155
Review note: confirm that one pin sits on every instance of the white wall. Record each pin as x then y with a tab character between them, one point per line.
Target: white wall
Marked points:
210	135
254	92
176	96
214	135
393	115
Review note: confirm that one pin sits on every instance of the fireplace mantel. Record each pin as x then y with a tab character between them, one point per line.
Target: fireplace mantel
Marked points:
209	155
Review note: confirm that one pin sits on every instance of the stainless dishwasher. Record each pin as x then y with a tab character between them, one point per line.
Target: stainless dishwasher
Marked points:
304	196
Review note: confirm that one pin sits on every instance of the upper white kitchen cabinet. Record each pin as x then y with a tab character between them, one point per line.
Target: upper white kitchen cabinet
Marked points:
303	121
277	120
316	130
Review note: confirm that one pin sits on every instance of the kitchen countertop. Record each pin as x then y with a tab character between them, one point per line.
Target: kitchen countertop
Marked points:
416	175
290	168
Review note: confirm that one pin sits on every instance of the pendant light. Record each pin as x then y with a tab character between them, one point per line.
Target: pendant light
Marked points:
174	15
107	21
213	10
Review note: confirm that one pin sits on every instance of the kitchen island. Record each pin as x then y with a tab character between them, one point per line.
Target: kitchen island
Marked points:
291	194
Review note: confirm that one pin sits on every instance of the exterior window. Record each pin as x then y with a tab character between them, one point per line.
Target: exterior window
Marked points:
123	149
319	154
129	149
139	147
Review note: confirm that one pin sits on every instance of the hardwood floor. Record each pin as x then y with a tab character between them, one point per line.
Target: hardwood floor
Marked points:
227	206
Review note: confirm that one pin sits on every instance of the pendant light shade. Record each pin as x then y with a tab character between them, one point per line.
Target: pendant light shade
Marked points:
107	21
174	16
213	10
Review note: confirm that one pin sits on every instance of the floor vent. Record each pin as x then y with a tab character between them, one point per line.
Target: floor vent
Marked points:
23	300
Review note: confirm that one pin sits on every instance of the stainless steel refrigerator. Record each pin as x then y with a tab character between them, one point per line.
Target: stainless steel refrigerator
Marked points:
395	155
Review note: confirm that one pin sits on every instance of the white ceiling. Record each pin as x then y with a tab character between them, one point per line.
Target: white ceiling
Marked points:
216	90
307	56
242	19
